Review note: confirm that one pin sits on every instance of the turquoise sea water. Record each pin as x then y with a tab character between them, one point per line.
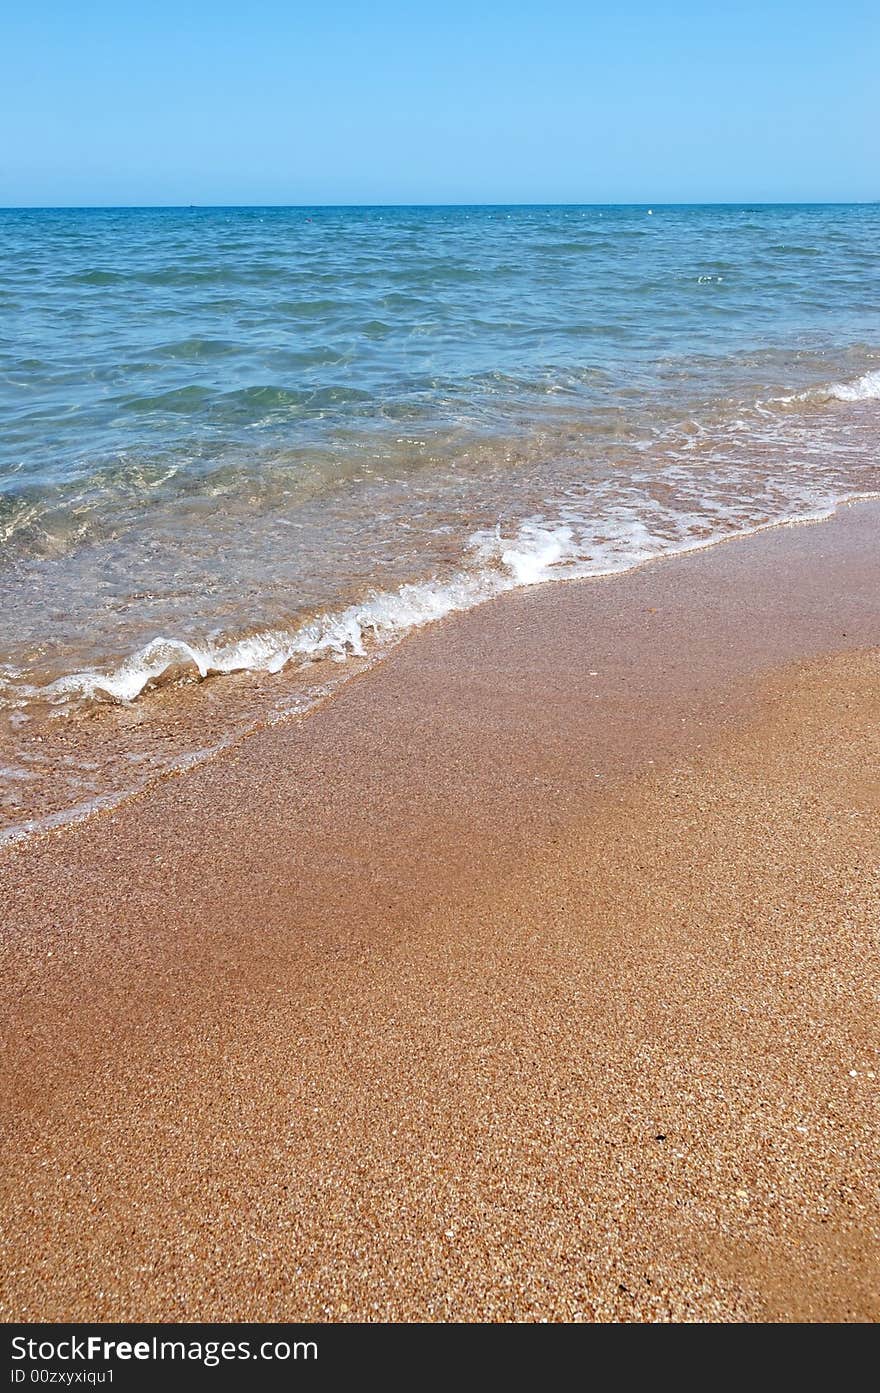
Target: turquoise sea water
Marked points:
239	443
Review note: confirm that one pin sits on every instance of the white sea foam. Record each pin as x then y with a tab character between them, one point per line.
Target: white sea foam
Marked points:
612	526
351	632
864	388
540	550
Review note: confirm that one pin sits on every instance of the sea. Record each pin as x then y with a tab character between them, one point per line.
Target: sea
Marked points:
245	451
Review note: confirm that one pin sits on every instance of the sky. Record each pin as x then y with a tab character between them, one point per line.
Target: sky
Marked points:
388	102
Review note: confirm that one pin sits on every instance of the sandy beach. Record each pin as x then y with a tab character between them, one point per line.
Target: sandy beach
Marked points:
534	976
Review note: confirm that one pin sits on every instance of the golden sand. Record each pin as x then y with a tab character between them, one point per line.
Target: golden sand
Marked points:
533	977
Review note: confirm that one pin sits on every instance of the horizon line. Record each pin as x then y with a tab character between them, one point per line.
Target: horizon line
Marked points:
624	203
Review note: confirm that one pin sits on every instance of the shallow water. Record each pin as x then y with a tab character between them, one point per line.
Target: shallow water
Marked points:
261	444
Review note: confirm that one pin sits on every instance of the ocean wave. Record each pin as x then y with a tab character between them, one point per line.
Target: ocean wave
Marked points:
538	552
864	388
350	632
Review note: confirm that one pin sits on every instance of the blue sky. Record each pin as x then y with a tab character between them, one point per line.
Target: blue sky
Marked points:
386	102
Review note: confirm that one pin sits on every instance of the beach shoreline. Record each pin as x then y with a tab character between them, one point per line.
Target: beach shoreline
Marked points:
530	977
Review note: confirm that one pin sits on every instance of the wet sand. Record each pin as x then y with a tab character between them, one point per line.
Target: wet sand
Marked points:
534	976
